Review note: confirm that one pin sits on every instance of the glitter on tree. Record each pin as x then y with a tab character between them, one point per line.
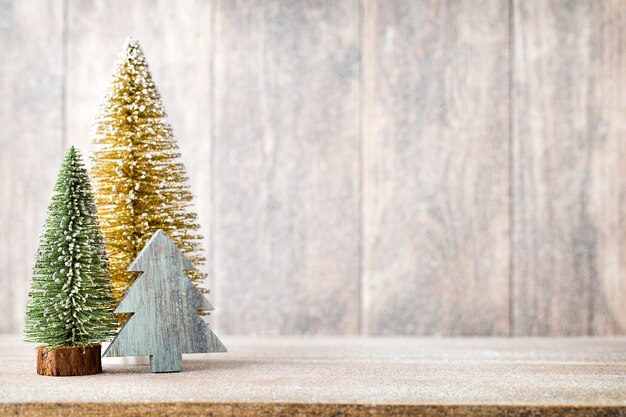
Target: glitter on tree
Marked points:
139	183
70	302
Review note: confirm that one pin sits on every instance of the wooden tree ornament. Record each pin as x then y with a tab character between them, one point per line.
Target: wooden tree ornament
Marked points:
165	321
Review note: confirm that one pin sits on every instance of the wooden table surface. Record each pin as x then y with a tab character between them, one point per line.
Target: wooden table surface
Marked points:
339	376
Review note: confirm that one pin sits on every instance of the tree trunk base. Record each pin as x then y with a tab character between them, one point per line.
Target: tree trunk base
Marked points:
69	361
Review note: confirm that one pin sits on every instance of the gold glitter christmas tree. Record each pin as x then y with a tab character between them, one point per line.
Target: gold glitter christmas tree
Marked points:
139	183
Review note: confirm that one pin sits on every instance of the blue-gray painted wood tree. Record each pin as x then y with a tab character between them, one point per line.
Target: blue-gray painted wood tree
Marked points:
165	321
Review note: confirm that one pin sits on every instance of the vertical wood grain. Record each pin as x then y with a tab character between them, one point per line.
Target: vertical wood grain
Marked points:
176	39
569	109
356	139
164	304
607	125
31	41
436	167
287	166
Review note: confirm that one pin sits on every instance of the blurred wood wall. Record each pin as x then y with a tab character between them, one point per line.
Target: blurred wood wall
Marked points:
361	166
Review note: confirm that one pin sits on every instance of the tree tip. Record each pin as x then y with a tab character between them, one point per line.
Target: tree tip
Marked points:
72	151
130	43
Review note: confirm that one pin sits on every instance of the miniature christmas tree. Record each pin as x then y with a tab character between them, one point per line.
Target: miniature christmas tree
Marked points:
139	182
70	302
165	323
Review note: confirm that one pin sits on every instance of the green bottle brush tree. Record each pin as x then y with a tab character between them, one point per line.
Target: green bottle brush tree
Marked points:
70	306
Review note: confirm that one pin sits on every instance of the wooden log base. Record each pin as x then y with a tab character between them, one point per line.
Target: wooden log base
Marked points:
69	361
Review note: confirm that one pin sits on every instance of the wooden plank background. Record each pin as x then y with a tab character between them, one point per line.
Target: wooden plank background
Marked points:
286	224
436	225
31	140
361	167
569	135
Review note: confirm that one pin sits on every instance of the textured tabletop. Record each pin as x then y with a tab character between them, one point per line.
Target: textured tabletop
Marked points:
347	376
